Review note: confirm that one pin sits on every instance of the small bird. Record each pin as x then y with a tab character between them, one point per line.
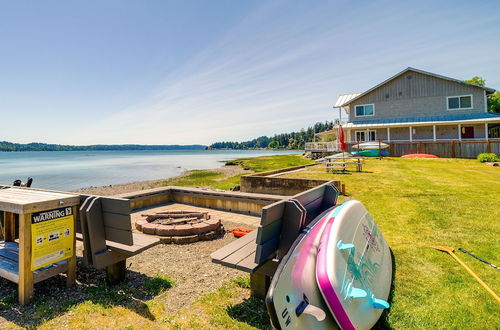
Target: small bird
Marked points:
19	183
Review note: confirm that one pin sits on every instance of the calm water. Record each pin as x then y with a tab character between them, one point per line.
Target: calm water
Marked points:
69	170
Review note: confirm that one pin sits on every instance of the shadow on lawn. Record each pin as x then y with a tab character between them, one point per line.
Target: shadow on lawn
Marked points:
52	298
251	311
383	322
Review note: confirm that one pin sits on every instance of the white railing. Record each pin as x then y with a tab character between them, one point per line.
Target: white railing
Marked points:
321	146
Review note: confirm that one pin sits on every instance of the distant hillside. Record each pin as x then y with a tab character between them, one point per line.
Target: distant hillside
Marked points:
293	140
9	146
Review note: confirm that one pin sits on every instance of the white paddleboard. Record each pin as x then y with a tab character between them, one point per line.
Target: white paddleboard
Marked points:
294	300
370	146
354	268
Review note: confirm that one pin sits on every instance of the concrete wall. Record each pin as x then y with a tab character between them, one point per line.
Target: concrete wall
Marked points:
413	95
279	186
268	183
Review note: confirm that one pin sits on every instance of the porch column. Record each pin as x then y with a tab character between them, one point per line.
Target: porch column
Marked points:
388	134
367	138
411	133
486	131
459	132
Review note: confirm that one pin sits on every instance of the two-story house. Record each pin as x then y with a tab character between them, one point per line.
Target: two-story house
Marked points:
416	105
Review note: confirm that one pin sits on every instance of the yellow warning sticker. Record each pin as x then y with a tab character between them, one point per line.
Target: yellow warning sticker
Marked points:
52	236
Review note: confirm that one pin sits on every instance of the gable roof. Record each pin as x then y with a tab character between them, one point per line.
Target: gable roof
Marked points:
487	89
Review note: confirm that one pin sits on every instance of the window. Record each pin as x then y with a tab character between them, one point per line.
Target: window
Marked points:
459	102
361	136
365	110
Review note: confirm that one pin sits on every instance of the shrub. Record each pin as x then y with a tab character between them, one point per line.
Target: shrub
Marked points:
487	157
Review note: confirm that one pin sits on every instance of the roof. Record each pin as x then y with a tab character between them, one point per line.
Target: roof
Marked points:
344	98
487	89
486	116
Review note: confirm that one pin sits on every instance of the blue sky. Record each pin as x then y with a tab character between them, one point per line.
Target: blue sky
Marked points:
182	72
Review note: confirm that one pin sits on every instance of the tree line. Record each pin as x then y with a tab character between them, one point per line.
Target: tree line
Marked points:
35	146
293	140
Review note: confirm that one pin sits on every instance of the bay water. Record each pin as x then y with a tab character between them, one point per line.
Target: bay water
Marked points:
70	170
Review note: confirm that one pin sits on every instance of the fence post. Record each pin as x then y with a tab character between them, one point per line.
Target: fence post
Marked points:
453	155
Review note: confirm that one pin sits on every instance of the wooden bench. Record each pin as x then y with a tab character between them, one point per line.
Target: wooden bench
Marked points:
260	251
105	228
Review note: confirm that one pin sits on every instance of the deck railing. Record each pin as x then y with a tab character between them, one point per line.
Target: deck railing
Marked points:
321	147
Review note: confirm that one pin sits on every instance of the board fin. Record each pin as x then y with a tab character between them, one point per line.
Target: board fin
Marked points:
344	246
380	303
356	293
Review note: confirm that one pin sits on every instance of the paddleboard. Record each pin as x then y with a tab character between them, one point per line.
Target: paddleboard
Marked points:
293	299
354	267
370	146
370	153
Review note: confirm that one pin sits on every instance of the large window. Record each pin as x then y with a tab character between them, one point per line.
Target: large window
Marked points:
362	137
365	110
460	102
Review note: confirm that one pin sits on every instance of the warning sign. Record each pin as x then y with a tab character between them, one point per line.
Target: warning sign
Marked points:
52	236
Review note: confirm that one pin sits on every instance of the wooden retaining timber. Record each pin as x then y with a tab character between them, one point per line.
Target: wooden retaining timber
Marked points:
232	201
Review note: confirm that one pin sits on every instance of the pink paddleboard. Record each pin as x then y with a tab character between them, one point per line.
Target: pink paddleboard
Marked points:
293	300
354	268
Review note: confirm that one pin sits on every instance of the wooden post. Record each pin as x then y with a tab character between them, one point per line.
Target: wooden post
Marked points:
486	131
9	227
1	224
434	133
411	133
488	146
388	134
25	273
259	284
379	149
459	132
342	189
453	155
71	274
115	273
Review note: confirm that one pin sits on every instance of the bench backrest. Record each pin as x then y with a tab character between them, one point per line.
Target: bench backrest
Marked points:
282	222
103	219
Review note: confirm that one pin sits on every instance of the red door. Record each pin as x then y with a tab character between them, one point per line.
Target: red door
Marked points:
468	132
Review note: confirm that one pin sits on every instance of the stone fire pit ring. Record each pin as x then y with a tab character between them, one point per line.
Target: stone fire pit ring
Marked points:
186	226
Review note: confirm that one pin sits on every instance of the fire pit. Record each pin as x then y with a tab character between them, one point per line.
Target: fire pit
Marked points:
181	226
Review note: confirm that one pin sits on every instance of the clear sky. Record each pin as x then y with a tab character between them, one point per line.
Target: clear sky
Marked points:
182	72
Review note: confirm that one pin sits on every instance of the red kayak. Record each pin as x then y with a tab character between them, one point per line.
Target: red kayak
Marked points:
419	156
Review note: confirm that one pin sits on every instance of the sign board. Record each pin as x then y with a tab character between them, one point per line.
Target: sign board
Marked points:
52	236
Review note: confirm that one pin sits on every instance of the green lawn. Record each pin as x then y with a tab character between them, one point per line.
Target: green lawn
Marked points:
217	179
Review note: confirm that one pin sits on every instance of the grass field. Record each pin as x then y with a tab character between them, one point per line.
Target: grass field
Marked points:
415	202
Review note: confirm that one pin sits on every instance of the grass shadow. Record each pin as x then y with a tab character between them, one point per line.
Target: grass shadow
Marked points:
251	311
383	322
52	299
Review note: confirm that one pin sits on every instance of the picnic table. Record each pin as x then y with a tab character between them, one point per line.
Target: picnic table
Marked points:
38	232
341	164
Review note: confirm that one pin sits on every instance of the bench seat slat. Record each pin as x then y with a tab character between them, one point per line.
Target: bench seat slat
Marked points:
240	254
233	246
131	250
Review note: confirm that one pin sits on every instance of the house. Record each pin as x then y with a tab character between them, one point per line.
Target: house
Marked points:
416	105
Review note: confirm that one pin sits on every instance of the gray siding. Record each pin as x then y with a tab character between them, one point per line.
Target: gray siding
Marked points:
413	95
443	132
